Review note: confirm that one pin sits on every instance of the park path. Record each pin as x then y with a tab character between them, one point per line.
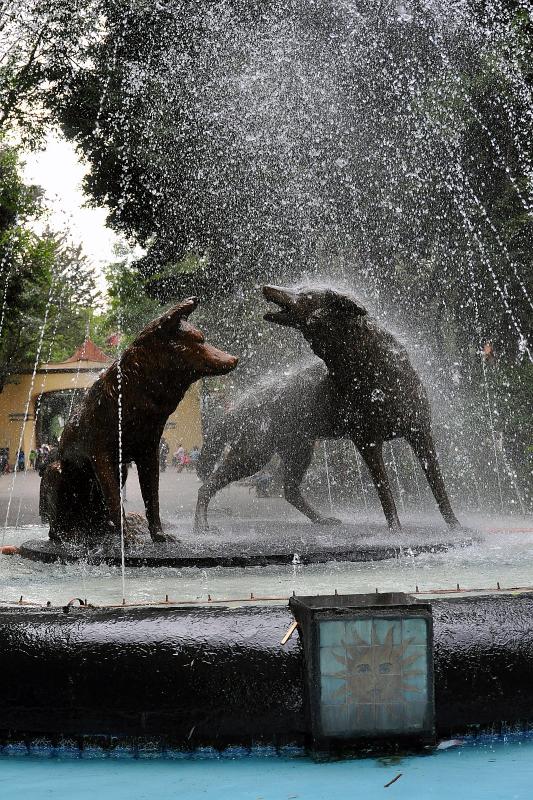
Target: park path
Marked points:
177	496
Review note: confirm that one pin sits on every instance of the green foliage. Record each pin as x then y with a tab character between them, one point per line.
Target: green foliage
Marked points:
25	266
47	289
513	389
385	192
41	42
129	306
74	299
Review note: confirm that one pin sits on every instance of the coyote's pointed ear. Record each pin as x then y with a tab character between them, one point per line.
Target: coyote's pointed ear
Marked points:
182	310
168	323
346	304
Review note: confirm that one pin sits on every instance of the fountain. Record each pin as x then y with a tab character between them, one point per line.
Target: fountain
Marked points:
299	147
369	393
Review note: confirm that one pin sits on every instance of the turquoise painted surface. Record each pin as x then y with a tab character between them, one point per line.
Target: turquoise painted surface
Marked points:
489	770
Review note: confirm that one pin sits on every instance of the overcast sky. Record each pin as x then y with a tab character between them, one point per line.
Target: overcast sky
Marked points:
60	172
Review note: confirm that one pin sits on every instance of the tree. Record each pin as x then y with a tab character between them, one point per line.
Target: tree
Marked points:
273	143
47	290
74	299
226	136
129	307
41	41
25	263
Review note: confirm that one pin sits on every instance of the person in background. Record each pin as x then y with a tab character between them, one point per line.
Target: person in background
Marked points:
194	455
263	483
21	461
4	460
38	458
179	455
33	458
43	459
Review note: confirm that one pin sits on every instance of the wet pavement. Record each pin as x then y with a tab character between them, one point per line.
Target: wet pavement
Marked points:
177	495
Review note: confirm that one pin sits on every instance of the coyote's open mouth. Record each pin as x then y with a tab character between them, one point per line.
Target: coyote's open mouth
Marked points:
286	302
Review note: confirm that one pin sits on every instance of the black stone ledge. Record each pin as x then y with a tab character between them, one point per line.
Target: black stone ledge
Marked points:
218	676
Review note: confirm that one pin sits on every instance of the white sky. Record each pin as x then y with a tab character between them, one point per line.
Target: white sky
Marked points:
60	172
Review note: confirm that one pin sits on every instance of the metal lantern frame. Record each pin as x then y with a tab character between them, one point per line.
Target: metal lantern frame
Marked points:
369	612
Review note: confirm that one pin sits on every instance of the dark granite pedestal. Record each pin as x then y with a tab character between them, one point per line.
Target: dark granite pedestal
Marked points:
259	542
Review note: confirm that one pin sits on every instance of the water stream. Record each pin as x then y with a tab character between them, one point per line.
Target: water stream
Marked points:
504	558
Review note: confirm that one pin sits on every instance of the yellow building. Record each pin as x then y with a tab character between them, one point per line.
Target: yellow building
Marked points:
35	407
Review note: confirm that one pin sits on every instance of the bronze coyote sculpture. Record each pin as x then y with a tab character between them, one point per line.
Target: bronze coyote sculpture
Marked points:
80	492
368	392
380	394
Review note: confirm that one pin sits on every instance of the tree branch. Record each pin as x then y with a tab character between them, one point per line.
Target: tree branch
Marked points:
13	95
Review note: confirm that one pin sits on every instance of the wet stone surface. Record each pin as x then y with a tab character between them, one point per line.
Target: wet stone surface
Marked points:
258	542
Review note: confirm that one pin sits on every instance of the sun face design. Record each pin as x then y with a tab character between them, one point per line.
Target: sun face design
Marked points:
376	673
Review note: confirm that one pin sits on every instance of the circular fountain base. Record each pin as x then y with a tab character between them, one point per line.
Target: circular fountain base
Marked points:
252	543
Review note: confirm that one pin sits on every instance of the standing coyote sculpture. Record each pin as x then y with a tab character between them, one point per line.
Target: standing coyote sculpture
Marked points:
366	390
380	394
284	417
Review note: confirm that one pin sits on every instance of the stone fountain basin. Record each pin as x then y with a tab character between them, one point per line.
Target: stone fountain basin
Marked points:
259	542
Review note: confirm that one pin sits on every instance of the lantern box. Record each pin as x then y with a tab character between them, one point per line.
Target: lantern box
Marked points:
369	668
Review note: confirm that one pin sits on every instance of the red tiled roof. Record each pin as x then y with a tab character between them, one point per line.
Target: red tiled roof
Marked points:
88	351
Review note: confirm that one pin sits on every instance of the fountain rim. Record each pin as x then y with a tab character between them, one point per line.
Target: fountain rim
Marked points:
231	603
